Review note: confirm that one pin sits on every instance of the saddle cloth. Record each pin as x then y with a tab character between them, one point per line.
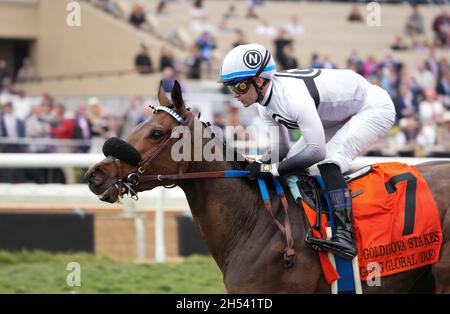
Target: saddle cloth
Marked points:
396	222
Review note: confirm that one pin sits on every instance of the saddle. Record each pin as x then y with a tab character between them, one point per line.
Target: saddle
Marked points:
396	221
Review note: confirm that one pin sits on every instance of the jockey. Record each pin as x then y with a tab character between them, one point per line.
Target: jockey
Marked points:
339	113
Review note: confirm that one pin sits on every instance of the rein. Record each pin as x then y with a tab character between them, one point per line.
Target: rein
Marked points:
128	184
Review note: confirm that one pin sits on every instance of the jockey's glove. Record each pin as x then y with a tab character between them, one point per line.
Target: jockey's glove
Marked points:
265	171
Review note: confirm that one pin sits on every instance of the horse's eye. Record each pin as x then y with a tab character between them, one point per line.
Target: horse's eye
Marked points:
156	135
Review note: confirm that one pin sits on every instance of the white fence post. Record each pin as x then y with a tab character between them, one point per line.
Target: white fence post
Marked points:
160	250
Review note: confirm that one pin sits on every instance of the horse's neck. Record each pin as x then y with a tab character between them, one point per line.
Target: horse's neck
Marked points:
224	209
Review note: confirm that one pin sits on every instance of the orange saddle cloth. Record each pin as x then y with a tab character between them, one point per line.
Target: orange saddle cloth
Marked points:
396	222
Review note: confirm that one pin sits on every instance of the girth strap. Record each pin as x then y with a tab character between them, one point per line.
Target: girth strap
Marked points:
289	252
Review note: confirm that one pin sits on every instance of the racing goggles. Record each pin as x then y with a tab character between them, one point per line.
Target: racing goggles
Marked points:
240	88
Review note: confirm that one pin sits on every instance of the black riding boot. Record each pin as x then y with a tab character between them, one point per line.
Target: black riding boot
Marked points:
342	242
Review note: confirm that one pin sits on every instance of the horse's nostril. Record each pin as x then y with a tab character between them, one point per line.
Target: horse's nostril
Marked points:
88	176
95	176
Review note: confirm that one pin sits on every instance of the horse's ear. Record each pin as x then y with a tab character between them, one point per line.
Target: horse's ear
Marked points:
162	97
177	97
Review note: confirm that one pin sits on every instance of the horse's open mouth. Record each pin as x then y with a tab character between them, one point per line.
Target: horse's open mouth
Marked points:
110	195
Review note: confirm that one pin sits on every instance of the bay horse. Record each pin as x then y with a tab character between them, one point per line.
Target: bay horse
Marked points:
229	213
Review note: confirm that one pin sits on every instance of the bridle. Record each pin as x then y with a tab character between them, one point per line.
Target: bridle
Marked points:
128	185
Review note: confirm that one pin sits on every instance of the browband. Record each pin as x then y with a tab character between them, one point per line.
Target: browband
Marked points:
172	112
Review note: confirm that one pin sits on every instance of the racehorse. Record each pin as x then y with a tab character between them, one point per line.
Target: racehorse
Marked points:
241	237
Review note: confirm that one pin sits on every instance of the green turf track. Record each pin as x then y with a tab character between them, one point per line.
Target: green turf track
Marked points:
42	272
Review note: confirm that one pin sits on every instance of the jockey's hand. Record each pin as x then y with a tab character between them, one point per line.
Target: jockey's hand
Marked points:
264	171
249	160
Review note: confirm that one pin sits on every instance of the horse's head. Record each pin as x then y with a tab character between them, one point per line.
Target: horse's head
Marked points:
146	151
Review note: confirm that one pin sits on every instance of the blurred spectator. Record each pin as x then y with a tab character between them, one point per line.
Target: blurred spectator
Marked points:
441	28
4	73
218	120
370	66
231	12
424	77
414	24
388	60
264	28
294	27
280	42
443	66
223	26
133	115
22	105
143	62
161	7
410	135
443	88
11	128
168	79
113	126
443	134
36	127
419	45
138	18
327	63
289	61
316	63
167	58
109	6
355	62
206	44
26	73
430	112
83	128
432	64
355	15
47	103
64	127
399	44
403	102
251	5
240	38
198	17
194	64
389	79
98	125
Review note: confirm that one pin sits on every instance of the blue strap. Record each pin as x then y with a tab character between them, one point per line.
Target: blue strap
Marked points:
278	188
235	173
344	267
263	189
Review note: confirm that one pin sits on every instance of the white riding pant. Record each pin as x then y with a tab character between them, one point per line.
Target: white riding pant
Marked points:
346	141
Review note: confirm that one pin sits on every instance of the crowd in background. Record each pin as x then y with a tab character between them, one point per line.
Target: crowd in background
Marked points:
421	95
